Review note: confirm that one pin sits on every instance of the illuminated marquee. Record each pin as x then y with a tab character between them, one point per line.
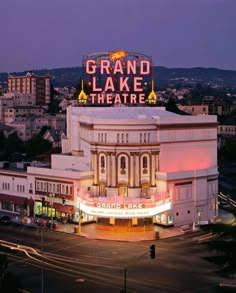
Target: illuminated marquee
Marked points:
117	77
119	212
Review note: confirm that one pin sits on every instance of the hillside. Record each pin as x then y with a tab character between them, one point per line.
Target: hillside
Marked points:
163	76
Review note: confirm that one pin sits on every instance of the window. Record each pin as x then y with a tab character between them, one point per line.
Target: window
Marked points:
105	137
98	137
118	137
123	165
141	137
122	137
58	188
127	137
102	163
67	190
71	190
148	137
144	137
63	189
45	186
145	164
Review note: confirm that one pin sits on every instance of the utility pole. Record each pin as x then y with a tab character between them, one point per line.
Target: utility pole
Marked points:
42	262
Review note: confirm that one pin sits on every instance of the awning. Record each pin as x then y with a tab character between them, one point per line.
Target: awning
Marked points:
19	200
67	209
30	202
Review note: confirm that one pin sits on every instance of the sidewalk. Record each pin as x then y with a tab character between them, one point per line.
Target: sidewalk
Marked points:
96	231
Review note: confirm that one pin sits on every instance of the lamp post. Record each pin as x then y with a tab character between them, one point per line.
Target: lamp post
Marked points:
52	195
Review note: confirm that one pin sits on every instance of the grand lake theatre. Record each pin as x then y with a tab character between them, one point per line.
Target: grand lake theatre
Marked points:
131	166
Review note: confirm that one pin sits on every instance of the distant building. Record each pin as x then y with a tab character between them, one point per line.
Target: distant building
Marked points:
53	122
54	136
194	109
12	113
226	133
38	86
6	130
23	129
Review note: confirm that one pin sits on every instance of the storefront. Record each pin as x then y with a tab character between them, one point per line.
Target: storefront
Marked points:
59	211
17	204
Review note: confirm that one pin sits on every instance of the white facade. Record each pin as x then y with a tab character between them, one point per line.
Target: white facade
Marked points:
135	164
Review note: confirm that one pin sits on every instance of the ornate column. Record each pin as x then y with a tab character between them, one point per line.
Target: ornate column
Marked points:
95	166
132	168
108	168
113	169
153	168
136	169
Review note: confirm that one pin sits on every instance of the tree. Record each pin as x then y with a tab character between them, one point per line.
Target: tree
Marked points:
37	145
224	245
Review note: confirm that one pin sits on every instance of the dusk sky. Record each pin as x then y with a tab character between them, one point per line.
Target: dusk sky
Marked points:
175	33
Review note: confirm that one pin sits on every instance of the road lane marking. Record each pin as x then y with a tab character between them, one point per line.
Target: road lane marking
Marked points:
78	244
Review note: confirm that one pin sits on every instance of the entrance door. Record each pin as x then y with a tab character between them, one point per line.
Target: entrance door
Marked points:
123	191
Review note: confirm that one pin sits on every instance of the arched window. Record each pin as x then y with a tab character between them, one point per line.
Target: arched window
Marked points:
123	165
102	164
145	164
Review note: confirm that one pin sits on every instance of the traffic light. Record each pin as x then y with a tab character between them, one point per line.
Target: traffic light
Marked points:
152	251
63	200
43	202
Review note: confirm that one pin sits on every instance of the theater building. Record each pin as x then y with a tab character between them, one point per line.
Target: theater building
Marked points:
133	166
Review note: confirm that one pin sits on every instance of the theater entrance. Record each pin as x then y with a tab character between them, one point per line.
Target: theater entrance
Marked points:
123	222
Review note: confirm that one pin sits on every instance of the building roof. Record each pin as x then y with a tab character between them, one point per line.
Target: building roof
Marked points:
5	127
136	115
122	112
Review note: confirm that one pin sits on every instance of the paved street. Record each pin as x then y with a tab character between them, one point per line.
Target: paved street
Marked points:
76	264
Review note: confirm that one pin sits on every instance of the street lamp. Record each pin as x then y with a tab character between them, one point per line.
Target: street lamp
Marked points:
79	222
52	195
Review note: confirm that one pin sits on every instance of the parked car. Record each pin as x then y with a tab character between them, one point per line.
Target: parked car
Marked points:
5	220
